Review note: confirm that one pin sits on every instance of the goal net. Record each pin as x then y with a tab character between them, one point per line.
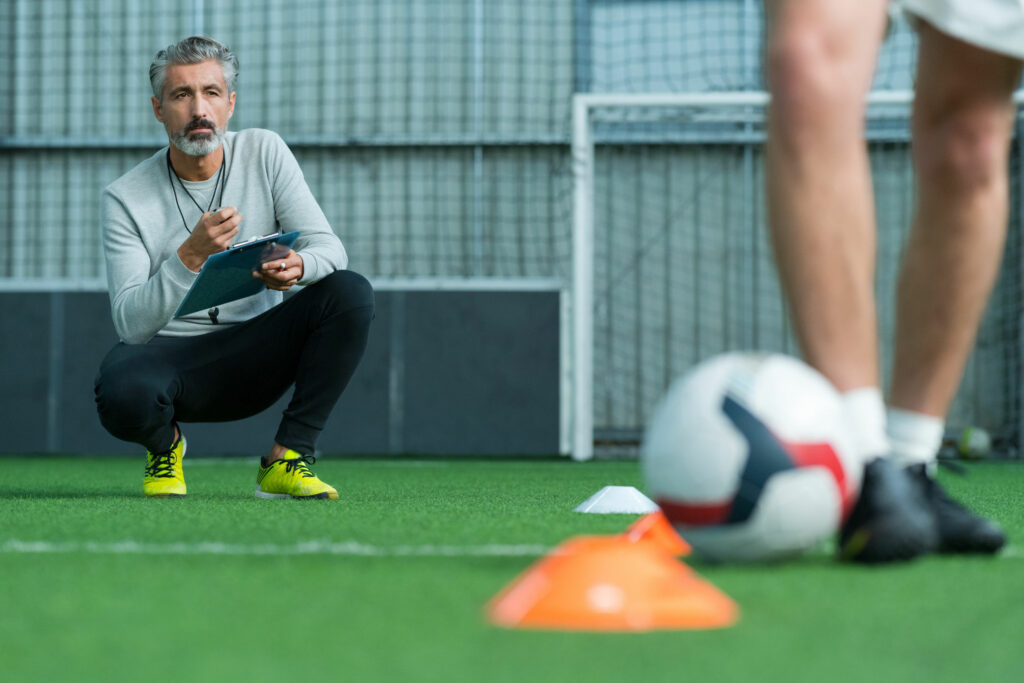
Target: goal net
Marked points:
670	222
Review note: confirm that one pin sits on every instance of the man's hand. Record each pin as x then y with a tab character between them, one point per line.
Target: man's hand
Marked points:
282	273
213	233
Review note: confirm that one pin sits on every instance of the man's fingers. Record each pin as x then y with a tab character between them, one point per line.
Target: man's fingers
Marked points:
218	231
275	279
223	213
223	236
229	223
224	239
281	273
282	265
221	221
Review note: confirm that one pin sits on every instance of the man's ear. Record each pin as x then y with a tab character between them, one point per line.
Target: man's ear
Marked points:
231	105
156	110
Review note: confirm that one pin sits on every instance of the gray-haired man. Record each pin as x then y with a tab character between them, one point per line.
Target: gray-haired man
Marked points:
160	225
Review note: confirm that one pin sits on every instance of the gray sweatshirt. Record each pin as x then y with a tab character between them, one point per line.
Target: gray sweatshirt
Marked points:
142	230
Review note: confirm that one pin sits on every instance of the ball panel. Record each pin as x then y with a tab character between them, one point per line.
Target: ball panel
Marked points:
771	458
798	509
824	456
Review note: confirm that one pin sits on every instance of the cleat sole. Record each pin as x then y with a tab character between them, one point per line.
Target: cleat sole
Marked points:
990	545
326	495
260	493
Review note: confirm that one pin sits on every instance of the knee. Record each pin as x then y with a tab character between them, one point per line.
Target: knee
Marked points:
812	74
350	290
961	149
127	400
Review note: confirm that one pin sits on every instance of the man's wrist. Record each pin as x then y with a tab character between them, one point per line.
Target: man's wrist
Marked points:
191	260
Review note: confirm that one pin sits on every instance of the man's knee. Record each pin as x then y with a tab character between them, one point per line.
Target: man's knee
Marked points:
962	148
807	90
818	70
129	400
349	289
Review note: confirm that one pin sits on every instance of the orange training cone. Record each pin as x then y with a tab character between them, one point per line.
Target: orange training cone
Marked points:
610	583
656	528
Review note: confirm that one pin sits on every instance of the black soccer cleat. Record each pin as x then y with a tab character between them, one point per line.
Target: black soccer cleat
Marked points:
960	530
891	521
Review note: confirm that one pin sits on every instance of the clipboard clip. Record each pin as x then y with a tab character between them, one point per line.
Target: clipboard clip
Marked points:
236	245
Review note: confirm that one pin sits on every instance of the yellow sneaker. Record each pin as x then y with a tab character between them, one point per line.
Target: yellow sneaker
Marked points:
164	476
289	477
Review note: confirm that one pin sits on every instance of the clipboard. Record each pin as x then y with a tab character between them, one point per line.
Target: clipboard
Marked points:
227	275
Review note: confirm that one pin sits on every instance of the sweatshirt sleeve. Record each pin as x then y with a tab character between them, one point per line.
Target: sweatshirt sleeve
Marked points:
295	208
141	301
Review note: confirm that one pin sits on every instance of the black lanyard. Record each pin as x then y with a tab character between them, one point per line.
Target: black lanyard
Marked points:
219	182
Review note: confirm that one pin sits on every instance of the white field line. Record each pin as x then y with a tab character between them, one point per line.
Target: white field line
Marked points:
340	548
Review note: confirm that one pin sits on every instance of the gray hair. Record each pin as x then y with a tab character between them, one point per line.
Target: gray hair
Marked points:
193	50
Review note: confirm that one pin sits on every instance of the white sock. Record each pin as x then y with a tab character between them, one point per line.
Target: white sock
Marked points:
865	417
915	438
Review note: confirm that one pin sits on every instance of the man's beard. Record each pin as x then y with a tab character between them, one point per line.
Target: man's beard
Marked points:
198	145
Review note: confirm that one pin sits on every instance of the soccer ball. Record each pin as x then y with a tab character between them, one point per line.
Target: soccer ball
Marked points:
975	444
749	457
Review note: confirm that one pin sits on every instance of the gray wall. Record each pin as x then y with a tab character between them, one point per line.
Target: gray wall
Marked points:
455	373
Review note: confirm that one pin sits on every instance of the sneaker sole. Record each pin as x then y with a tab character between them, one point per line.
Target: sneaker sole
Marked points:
260	493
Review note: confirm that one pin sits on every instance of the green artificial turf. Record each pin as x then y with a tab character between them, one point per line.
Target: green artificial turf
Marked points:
393	579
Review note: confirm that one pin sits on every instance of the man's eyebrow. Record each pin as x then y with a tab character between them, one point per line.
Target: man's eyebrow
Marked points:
188	88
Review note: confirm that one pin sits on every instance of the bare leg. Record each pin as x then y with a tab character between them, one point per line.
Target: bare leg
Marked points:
820	60
962	123
821	57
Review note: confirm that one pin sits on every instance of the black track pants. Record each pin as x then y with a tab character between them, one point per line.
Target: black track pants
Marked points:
314	339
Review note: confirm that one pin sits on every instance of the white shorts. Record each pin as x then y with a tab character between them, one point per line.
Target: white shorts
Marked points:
996	25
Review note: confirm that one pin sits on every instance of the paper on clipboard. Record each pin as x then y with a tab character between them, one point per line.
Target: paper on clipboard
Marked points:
227	275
